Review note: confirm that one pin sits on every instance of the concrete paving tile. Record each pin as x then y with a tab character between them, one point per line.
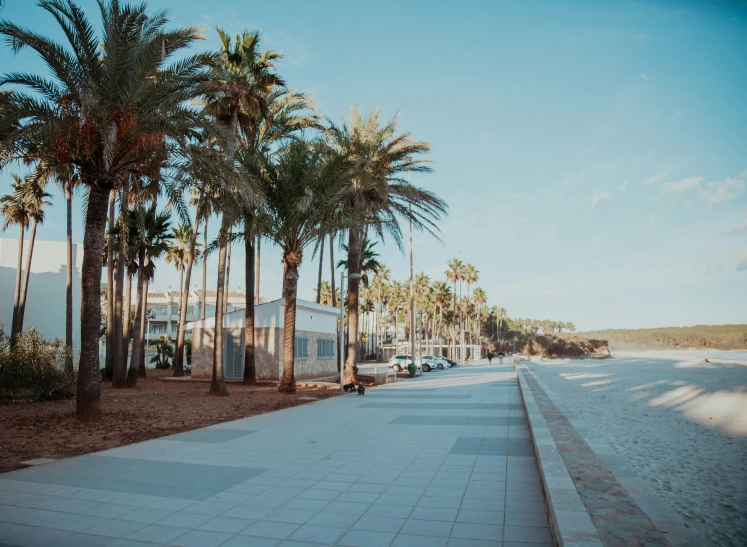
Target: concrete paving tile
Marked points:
527	534
116	528
367	538
275	530
525	506
77	523
480	517
154	533
389	511
443	503
247	541
307	504
10	529
83	540
463	542
38	536
526	519
320	494
333	520
317	534
426	527
407	540
226	524
147	515
490	532
348	508
247	512
109	510
201	538
185	520
434	513
378	524
392	499
524	495
358	497
293	516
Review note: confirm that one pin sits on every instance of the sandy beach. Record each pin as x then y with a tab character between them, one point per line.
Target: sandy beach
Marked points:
679	421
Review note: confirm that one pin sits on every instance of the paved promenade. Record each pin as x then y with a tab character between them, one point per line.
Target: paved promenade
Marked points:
445	459
441	460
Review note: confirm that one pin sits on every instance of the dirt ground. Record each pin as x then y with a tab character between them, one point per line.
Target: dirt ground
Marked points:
154	409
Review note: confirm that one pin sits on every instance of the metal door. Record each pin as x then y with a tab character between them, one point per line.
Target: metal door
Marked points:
233	356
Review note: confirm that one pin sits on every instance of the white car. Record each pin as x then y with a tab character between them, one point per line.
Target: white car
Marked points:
400	362
437	362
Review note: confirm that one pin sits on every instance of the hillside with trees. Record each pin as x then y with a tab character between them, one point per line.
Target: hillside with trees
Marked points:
699	336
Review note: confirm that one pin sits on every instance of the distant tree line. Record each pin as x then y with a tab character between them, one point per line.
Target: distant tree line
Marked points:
698	336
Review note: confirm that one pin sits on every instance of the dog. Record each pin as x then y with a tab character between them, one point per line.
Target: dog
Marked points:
350	388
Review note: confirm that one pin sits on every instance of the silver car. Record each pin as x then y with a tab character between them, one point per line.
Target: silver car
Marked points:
400	362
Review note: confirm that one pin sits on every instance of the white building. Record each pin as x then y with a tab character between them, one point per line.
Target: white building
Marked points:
46	298
315	348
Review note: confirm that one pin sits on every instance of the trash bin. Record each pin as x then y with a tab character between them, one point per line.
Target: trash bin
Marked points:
412	369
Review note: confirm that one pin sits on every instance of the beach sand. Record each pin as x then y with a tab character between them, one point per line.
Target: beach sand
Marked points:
680	422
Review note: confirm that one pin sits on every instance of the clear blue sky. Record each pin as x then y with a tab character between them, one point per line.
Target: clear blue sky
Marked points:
593	154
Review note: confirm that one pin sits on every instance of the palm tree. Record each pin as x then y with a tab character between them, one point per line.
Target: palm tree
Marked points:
153	236
36	201
300	184
180	254
480	298
396	300
379	288
454	273
441	298
377	196
242	80
326	294
15	211
110	112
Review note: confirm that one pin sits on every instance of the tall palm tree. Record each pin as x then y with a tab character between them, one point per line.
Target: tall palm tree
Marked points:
153	237
441	297
326	294
378	196
455	273
379	288
15	211
479	298
179	253
241	79
110	112
300	185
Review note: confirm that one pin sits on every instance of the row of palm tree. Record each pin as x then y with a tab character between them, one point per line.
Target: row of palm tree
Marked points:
136	120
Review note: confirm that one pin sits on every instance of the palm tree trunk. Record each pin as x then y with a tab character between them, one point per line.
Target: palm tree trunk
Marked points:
184	299
218	384
69	276
332	268
228	276
126	310
109	366
87	394
355	241
319	280
257	268
181	297
204	268
250	371
119	374
141	364
288	379
17	297
26	276
137	339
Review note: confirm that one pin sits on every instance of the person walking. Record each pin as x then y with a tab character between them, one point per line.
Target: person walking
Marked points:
490	358
501	355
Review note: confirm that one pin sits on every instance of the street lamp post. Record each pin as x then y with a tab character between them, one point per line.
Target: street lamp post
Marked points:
342	326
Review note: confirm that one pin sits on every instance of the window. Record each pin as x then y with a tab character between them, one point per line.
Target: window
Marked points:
158	328
302	348
325	348
174	309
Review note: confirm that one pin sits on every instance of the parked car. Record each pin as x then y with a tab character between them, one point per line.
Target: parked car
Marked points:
437	362
451	362
400	362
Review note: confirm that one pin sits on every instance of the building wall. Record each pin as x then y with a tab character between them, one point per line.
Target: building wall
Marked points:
202	352
45	303
313	367
268	354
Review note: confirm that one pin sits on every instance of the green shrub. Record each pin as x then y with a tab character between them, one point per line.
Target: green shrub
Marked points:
164	352
35	369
